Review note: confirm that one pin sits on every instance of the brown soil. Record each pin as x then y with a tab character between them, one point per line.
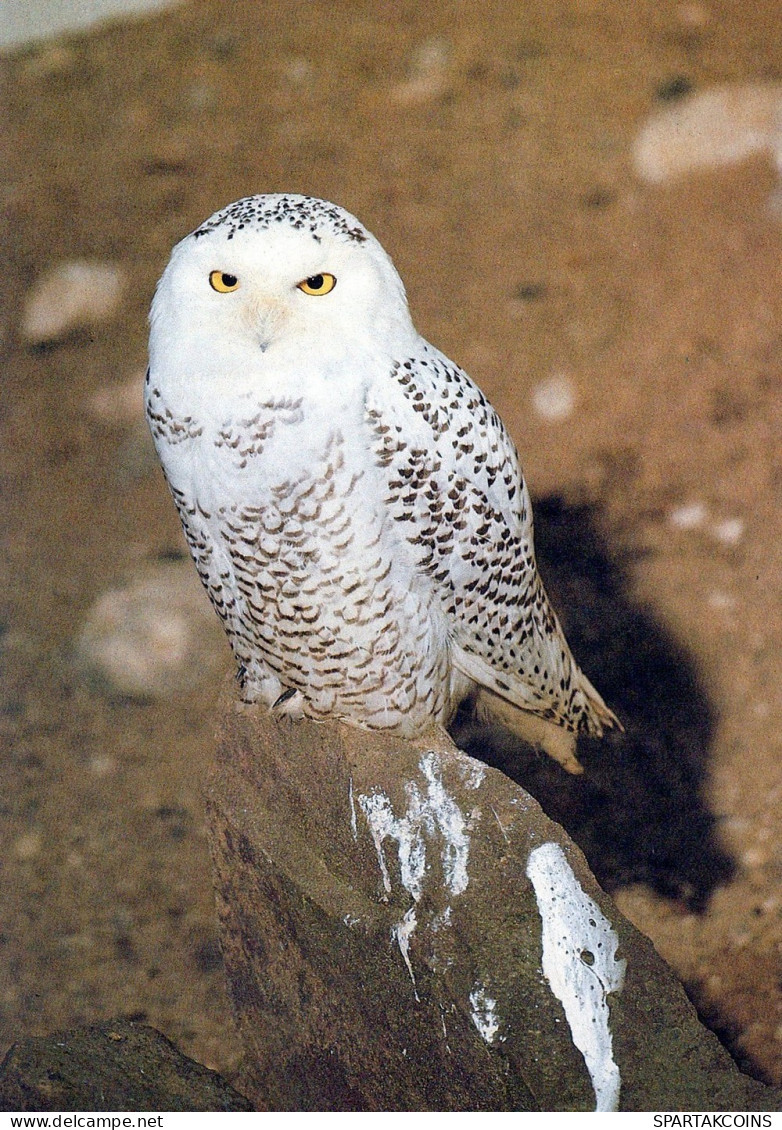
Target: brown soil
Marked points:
486	144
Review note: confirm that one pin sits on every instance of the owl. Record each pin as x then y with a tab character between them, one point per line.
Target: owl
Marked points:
353	504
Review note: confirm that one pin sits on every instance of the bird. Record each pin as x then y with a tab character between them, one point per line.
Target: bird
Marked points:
354	505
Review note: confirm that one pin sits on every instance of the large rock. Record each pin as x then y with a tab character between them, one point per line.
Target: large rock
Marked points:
404	929
113	1066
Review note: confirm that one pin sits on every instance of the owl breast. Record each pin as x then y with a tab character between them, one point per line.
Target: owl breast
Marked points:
318	591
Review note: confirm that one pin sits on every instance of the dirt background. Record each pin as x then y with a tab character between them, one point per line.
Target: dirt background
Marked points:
487	145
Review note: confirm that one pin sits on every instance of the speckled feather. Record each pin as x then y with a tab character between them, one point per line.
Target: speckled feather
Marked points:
353	503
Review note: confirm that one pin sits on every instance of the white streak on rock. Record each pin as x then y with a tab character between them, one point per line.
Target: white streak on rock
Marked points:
403	931
380	819
473	773
353	823
580	964
501	825
441	920
446	814
427	814
484	1013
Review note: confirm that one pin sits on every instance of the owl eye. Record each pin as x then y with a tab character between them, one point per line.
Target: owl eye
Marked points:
222	282
318	284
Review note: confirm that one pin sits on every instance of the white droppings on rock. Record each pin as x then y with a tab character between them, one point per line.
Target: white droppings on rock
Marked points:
554	399
483	1011
729	531
580	964
473	773
353	821
408	835
155	637
403	931
428	814
71	296
709	130
441	921
446	815
689	516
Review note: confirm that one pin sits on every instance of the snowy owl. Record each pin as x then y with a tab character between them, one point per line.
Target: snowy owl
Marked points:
353	504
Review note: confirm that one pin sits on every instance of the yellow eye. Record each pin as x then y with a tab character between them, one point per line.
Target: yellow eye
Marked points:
318	284
222	282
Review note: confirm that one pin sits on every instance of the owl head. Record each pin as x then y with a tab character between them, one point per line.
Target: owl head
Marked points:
283	277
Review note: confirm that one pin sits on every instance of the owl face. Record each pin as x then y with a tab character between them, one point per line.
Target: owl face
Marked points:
279	288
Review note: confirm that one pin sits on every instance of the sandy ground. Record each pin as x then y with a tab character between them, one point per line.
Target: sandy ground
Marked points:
487	145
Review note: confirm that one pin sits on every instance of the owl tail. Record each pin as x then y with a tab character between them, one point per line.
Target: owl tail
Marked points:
518	707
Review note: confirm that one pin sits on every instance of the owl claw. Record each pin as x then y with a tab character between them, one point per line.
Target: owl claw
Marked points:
290	704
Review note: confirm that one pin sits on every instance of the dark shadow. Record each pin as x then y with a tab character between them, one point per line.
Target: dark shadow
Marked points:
638	812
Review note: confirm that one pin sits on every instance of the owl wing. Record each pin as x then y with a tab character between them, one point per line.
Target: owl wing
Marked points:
455	484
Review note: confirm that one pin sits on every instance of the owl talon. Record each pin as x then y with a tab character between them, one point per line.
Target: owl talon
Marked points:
290	705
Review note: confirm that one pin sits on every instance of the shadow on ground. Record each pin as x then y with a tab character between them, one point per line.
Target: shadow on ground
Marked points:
638	812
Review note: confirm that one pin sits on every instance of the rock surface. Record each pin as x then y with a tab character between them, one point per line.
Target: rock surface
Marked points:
71	296
117	1066
404	929
155	637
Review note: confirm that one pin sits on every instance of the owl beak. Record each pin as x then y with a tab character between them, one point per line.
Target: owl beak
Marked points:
265	317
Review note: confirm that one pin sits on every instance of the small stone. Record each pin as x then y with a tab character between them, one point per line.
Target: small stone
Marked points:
297	70
710	129
730	531
428	73
693	15
68	297
687	517
51	58
155	637
555	398
27	846
119	403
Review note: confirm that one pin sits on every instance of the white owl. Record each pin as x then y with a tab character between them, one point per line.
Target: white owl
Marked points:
353	504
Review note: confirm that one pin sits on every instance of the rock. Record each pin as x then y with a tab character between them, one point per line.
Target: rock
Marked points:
68	297
428	74
404	929
155	637
708	130
688	516
554	399
120	403
113	1066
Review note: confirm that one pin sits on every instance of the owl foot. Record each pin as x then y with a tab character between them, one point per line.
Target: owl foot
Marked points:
290	705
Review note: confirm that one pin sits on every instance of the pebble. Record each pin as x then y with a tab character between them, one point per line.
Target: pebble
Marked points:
28	846
554	399
710	129
721	601
155	637
687	517
70	296
121	402
729	531
428	73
